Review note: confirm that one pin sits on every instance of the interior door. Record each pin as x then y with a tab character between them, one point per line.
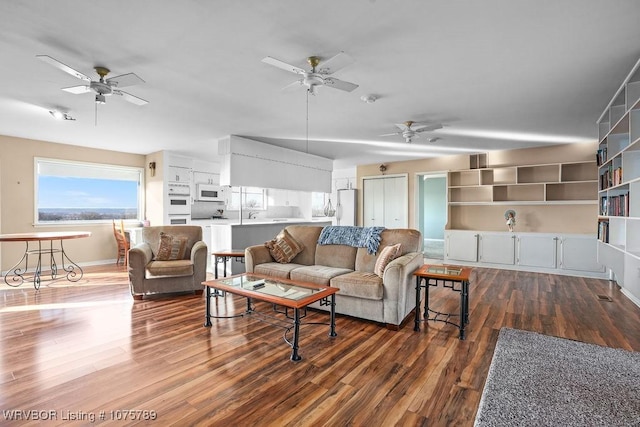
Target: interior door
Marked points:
373	202
395	202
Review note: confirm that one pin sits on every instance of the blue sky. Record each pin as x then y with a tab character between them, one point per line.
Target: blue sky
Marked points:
68	192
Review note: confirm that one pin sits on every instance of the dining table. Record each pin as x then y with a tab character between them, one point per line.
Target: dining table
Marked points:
39	245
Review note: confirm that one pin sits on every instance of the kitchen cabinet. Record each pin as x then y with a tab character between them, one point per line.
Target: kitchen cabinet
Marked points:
579	253
179	174
205	178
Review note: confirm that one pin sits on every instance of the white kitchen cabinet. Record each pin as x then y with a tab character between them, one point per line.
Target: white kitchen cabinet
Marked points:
536	250
385	201
179	174
579	253
205	178
462	246
497	248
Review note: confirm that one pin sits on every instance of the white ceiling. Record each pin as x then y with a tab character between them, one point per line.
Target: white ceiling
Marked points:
498	73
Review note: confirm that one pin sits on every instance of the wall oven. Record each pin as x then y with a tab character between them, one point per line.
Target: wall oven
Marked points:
179	205
175	219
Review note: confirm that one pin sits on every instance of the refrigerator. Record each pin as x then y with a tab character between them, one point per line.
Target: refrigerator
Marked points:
346	207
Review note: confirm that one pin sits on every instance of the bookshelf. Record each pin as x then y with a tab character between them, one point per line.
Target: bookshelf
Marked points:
618	160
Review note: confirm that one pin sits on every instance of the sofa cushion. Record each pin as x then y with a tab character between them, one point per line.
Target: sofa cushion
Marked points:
308	236
411	241
275	269
359	284
171	247
340	256
388	254
318	274
178	268
284	247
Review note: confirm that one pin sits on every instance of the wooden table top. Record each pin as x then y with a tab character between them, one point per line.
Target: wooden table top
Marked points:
223	284
229	252
43	235
447	272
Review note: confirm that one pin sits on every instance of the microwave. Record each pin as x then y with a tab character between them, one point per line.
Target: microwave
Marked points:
209	193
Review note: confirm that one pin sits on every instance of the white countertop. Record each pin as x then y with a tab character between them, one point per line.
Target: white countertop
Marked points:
256	221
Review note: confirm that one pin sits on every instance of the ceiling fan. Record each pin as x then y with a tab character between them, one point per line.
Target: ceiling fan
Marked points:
408	131
102	87
317	76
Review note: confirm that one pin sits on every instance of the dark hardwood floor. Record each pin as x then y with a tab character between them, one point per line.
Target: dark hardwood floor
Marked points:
80	351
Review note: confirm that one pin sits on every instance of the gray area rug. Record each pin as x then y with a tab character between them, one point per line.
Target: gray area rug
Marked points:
538	380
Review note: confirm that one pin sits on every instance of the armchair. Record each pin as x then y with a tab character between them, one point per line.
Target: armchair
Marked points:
170	258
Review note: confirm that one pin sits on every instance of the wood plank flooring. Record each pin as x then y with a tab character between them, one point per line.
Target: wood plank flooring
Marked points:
81	350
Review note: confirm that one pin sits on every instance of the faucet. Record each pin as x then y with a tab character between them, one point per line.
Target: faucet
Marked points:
252	215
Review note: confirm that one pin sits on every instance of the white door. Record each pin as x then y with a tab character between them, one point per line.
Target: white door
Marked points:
373	202
395	202
499	248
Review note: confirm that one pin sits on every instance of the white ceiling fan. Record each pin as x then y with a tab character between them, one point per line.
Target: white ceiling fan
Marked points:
102	87
408	131
317	76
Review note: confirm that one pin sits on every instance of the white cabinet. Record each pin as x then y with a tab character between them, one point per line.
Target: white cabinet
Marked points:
579	253
537	251
179	174
462	246
205	178
497	248
385	201
571	254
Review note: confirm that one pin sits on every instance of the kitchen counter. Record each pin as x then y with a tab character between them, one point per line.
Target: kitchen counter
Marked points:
257	221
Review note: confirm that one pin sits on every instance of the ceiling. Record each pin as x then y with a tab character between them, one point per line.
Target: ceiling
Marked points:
499	74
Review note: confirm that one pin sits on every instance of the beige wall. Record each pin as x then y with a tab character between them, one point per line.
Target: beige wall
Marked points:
540	218
17	197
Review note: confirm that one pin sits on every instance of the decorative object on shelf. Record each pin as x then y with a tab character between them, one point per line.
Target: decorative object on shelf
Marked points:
510	217
328	209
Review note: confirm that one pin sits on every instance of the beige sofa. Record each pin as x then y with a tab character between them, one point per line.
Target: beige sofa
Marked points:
148	275
388	299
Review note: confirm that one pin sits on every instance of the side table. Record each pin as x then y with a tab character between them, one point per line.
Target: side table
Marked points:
449	276
221	257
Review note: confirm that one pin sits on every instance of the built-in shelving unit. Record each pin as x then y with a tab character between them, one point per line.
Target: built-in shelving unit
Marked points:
556	183
618	159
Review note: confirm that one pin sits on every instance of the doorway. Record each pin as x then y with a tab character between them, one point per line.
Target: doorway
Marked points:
432	212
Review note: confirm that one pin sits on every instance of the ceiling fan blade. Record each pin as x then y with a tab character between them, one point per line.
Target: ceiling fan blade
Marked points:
128	97
77	89
283	65
124	80
335	63
391	134
427	128
49	60
340	84
293	86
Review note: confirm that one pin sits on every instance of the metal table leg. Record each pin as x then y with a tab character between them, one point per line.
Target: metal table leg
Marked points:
296	331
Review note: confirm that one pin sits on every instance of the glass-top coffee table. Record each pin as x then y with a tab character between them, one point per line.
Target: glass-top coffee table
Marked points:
292	296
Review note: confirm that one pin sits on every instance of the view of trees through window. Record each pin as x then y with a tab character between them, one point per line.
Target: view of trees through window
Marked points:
71	191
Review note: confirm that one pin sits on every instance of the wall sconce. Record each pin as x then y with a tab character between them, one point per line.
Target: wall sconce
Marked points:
152	168
383	168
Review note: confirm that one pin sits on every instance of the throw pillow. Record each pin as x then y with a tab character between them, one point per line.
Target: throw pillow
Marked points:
171	247
388	254
284	247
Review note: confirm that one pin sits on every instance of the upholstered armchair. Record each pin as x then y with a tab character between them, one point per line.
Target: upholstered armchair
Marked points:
170	258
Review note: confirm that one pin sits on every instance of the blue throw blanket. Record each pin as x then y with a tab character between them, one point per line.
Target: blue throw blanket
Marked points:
358	237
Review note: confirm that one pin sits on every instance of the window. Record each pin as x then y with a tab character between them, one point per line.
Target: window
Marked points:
71	192
252	198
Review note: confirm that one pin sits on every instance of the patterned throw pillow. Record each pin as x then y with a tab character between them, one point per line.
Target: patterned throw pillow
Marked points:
387	255
284	247
171	247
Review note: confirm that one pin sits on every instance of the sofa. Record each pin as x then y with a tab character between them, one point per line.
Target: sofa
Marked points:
170	258
388	298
